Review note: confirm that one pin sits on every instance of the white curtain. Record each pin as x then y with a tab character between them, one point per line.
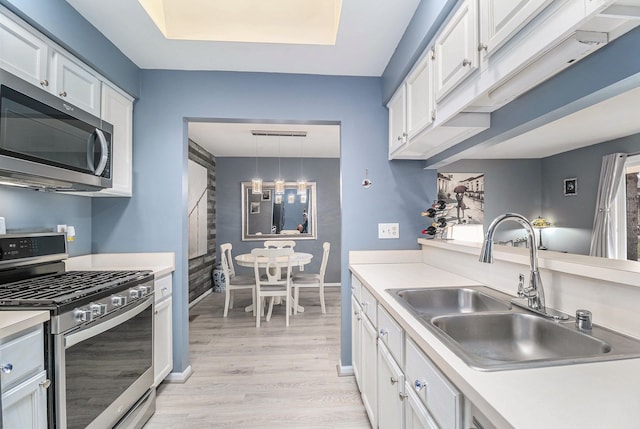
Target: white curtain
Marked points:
603	238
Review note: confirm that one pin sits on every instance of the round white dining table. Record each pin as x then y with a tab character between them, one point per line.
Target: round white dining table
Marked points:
299	259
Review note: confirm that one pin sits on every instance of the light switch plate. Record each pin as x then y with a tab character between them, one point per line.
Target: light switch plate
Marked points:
388	230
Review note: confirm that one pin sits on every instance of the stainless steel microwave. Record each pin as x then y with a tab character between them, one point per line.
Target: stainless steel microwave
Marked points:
47	143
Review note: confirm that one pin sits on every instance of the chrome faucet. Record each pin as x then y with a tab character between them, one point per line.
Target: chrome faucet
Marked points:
535	292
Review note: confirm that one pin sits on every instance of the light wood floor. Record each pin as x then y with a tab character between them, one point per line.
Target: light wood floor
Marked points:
267	377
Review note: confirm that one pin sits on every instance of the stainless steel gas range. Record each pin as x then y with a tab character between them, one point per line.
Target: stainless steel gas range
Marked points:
99	340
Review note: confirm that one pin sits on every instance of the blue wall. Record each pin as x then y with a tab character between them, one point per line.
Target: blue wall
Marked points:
230	172
155	218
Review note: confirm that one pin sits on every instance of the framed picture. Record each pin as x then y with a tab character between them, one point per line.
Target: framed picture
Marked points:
291	198
303	199
255	208
266	195
571	186
278	199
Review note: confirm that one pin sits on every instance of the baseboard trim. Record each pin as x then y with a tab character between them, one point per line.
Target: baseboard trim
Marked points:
344	370
179	377
201	297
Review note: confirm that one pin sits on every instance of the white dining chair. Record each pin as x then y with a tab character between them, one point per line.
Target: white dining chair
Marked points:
279	244
267	265
232	281
304	279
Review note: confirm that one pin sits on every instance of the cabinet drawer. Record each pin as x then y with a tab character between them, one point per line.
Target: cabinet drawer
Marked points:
26	356
356	288
442	399
369	306
391	334
163	288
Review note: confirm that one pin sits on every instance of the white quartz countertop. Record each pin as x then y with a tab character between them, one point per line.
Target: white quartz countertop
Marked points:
12	322
161	263
590	395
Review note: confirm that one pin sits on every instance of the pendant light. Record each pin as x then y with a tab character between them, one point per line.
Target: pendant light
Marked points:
279	183
256	182
302	182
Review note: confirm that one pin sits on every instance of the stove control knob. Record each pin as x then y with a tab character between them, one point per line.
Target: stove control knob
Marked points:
144	290
83	315
98	309
135	294
118	300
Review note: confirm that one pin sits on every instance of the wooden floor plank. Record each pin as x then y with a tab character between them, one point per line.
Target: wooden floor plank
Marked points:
268	377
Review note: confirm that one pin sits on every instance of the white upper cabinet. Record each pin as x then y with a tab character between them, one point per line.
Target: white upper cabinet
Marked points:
420	109
456	49
501	19
397	119
22	53
74	83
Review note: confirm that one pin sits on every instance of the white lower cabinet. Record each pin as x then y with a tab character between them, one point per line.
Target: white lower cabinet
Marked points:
24	380
356	340
369	371
162	329
416	415
390	391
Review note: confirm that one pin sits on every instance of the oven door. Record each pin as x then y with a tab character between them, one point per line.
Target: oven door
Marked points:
103	369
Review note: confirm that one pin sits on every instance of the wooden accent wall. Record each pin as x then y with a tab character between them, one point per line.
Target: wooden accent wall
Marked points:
200	267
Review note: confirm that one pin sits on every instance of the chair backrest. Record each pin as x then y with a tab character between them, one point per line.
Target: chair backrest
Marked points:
279	244
226	259
272	261
326	246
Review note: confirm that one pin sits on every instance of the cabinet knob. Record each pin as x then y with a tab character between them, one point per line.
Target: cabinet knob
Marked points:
394	380
418	385
399	138
433	114
403	396
63	94
482	47
466	62
45	384
7	368
44	82
383	332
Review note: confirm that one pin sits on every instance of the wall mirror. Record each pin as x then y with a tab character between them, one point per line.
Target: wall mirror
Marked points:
268	216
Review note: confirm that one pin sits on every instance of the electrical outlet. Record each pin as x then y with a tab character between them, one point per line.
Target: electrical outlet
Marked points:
388	230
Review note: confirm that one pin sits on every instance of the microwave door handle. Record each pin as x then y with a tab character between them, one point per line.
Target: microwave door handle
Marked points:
90	143
105	152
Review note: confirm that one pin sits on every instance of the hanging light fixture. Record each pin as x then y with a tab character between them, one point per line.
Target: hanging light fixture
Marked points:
256	182
279	183
302	182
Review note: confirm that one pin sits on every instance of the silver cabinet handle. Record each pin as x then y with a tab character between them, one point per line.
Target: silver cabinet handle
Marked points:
383	332
45	384
466	62
394	380
403	396
365	303
63	94
44	82
399	138
482	47
418	385
7	368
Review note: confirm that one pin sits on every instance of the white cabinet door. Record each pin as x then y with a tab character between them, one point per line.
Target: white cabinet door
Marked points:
22	53
397	120
75	84
117	109
356	340
416	415
420	97
390	391
25	406
369	371
456	49
162	344
501	19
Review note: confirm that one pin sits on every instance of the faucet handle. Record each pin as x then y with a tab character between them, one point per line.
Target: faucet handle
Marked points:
521	293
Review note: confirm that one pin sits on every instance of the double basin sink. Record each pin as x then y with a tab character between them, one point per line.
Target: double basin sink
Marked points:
481	326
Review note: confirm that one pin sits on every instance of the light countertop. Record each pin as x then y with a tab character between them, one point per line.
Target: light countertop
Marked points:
161	263
589	395
12	322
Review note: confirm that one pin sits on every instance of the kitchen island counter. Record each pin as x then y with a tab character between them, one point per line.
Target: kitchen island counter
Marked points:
12	322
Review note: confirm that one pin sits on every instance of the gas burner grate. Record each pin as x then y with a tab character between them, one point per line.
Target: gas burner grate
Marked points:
61	288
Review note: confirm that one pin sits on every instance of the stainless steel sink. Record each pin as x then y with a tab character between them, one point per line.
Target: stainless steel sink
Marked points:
486	332
449	300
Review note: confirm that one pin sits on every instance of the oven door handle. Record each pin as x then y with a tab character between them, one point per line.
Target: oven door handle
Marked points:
93	330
